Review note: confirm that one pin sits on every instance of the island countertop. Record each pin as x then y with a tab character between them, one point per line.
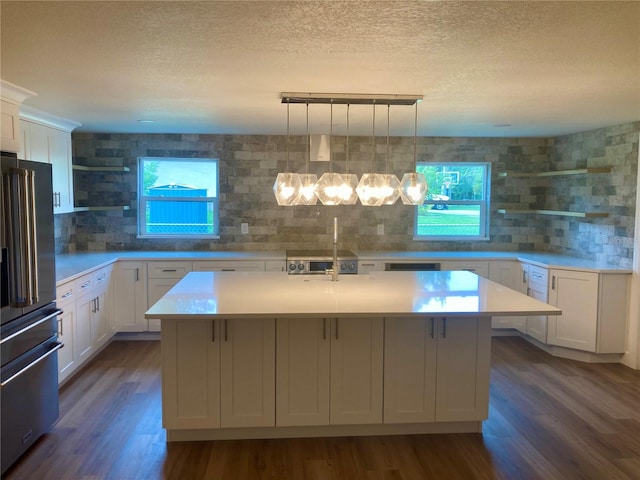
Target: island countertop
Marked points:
203	295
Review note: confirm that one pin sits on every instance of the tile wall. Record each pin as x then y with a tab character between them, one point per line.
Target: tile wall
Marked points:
249	164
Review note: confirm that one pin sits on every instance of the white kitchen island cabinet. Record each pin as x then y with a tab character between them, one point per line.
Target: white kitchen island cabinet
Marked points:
329	371
436	369
324	367
218	373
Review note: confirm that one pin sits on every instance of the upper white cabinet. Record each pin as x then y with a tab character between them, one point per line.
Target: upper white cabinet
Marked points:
47	138
593	310
11	97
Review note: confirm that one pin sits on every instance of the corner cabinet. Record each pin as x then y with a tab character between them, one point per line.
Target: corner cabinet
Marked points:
593	307
11	97
555	173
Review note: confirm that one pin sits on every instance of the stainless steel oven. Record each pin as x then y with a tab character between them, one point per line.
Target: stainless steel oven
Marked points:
29	317
314	262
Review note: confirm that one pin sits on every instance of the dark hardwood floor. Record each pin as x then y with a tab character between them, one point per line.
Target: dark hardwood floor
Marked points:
549	419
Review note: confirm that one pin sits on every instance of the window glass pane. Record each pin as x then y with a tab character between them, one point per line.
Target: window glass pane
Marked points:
456	202
178	197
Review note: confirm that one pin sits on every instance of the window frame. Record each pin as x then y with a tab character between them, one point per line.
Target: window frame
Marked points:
484	204
144	199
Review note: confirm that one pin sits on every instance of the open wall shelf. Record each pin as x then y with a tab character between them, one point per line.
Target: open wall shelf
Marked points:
555	212
557	173
100	169
97	209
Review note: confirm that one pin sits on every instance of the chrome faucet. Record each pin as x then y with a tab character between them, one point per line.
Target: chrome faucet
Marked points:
335	267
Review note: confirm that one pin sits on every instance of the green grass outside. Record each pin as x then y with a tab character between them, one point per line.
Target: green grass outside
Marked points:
450	222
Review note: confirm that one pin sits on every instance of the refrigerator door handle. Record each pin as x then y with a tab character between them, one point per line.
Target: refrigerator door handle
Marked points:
15	200
32	238
56	346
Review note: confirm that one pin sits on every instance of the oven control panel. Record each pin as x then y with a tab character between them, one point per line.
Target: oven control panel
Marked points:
310	267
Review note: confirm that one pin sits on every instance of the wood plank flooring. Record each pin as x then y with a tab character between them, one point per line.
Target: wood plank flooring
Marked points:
549	419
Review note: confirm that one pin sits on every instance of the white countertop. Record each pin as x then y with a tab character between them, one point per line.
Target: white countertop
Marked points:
207	295
71	265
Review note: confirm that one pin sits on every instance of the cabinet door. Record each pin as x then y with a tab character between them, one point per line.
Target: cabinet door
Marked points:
130	291
409	370
100	331
156	289
83	341
463	364
537	324
302	360
191	374
229	266
66	355
9	127
61	167
247	374
38	142
576	294
356	371
477	267
511	275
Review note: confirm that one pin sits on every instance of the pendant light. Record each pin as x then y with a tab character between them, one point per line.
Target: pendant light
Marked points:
307	180
390	184
413	187
331	185
369	187
287	185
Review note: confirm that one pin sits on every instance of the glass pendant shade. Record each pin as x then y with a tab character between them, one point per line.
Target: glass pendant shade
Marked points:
329	188
307	189
390	191
413	188
369	189
287	188
348	193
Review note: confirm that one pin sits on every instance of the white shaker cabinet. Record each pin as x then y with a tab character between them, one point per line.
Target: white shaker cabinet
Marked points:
218	373
436	369
509	273
329	371
302	376
47	138
229	266
11	98
593	310
130	289
65	300
161	277
537	278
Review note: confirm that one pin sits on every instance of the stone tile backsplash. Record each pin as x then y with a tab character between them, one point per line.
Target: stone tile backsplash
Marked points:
249	164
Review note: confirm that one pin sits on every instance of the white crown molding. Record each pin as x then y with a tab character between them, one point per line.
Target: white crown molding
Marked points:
12	93
40	116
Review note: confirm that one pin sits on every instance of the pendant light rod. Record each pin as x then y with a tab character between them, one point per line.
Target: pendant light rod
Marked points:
350	98
287	136
331	138
307	153
373	137
386	161
415	136
346	152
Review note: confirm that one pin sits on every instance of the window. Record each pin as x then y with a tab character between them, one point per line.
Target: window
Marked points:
178	197
457	203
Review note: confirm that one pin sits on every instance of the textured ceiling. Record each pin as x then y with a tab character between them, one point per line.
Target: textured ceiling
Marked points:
485	68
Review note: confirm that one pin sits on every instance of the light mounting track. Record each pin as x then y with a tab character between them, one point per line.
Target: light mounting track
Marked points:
350	98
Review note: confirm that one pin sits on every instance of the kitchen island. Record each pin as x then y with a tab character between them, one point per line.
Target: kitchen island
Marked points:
268	355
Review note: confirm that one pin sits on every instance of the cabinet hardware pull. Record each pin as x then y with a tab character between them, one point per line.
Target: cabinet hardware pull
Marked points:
324	328
67	295
93	305
225	330
169	270
213	331
553	282
337	323
98	302
433	323
61	328
137	274
86	284
524	277
444	327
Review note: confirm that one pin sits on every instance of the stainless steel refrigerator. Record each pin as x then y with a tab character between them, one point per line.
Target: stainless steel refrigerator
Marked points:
29	317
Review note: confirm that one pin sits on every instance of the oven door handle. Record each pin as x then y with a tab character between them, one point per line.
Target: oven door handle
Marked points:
57	346
21	331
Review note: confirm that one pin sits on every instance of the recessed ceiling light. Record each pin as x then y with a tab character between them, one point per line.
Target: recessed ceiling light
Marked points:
147	121
502	125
